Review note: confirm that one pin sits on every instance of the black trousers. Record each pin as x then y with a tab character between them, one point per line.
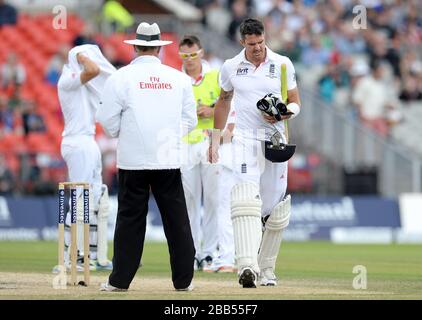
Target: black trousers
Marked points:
129	236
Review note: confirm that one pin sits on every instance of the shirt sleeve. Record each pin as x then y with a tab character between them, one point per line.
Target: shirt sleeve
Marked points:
291	75
189	117
109	112
70	81
224	78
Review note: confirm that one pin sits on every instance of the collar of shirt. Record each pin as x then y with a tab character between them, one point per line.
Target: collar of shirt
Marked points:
205	68
270	56
145	59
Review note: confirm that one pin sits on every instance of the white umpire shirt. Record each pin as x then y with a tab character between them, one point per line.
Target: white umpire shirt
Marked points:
149	107
250	84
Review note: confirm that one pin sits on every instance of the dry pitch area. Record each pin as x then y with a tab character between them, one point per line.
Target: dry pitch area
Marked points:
40	286
316	270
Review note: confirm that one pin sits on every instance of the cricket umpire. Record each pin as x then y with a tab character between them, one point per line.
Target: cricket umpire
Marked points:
149	107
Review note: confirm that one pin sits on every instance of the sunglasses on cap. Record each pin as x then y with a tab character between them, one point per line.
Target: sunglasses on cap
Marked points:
192	55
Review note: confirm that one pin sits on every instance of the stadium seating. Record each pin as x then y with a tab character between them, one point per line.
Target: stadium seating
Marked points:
35	41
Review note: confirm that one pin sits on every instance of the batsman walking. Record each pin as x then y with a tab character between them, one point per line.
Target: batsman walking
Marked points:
251	80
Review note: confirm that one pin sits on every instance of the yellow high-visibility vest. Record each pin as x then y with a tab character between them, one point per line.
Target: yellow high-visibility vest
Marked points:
206	93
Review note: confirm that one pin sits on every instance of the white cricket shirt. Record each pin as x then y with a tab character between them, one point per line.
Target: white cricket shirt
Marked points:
76	104
149	107
79	102
250	84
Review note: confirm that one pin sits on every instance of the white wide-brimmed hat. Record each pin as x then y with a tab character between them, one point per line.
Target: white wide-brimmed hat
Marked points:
148	35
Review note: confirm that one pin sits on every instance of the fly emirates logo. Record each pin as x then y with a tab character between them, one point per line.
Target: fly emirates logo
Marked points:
155	83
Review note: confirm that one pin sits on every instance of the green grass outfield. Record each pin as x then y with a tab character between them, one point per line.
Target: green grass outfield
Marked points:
311	270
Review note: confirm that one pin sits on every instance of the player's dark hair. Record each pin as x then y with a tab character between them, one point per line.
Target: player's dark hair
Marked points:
251	26
190	41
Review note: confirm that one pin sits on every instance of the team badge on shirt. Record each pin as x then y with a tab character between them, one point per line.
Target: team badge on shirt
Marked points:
271	71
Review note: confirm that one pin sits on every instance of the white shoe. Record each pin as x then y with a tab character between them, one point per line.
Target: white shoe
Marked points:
206	264
109	288
247	278
189	288
92	264
210	267
267	277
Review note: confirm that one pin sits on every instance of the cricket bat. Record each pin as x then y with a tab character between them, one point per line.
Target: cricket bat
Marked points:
283	84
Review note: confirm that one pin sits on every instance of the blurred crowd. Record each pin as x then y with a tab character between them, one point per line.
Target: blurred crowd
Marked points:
363	57
25	170
367	64
18	116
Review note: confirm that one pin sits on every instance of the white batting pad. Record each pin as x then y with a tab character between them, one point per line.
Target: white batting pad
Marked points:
271	239
246	217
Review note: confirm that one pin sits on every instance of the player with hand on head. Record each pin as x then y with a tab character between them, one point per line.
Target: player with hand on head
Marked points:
79	90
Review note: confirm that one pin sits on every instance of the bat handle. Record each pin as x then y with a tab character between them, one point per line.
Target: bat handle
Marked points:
284	96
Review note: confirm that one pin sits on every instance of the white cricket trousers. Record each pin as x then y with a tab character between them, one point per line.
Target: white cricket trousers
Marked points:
200	181
251	165
226	253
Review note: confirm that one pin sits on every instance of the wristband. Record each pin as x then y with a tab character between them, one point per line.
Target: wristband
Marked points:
293	107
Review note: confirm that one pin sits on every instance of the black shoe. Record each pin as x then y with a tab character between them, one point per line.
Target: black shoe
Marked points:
247	278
